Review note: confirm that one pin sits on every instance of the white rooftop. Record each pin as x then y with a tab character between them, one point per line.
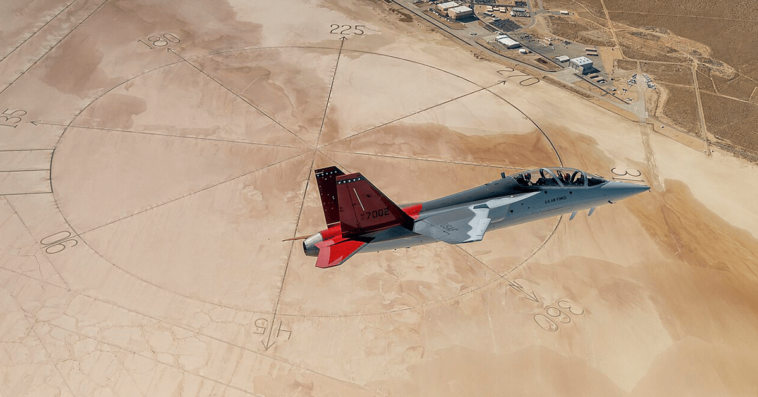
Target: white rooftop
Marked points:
562	58
581	61
461	9
508	41
449	4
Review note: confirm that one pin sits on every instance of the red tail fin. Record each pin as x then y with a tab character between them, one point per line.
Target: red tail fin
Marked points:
327	186
363	208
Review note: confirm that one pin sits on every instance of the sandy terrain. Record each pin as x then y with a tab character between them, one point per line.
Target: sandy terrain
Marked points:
144	194
579	30
686	35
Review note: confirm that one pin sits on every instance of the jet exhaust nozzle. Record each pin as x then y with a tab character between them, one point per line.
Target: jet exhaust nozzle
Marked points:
309	244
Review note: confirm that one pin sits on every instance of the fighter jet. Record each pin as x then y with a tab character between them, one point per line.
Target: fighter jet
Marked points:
360	218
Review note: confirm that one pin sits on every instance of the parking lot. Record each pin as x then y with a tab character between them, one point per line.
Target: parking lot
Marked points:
553	47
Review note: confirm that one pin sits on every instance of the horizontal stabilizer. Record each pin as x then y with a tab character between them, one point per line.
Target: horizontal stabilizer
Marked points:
336	251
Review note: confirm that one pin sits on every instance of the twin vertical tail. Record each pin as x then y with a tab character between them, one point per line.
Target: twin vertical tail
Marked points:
326	178
356	204
358	207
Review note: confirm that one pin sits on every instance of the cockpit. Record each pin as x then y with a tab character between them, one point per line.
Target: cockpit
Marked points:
557	177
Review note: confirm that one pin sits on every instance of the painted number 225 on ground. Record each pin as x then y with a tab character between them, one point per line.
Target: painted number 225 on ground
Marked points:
347	29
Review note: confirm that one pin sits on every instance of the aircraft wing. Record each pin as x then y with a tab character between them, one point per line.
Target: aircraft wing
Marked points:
463	224
336	251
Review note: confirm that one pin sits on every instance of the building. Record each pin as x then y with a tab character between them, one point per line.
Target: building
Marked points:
443	7
460	12
519	12
582	65
520	3
507	42
562	58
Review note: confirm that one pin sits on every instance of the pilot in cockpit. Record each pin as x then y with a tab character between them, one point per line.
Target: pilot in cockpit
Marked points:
524	179
578	178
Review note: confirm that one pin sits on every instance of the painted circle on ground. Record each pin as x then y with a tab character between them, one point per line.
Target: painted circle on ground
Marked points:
189	176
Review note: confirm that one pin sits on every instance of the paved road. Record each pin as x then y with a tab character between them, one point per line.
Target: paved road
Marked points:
464	35
639	108
701	114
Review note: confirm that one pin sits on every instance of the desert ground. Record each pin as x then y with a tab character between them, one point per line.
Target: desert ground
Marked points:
691	49
154	155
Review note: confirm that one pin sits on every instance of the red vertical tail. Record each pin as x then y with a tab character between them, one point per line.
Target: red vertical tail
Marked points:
363	208
327	186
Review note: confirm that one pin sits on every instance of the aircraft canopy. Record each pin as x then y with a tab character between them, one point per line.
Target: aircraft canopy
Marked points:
558	177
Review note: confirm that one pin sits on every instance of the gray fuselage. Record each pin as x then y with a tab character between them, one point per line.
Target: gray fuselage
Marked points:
533	202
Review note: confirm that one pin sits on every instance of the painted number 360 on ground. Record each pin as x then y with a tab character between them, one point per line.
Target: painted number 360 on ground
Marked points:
562	316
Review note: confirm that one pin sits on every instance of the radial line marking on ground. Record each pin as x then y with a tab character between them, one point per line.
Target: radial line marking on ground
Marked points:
239	96
32	236
479	261
267	344
36	31
415	113
175	366
165	135
331	87
190	194
184	327
466	292
54	45
502	276
555	150
23	194
422	306
429	160
346	169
